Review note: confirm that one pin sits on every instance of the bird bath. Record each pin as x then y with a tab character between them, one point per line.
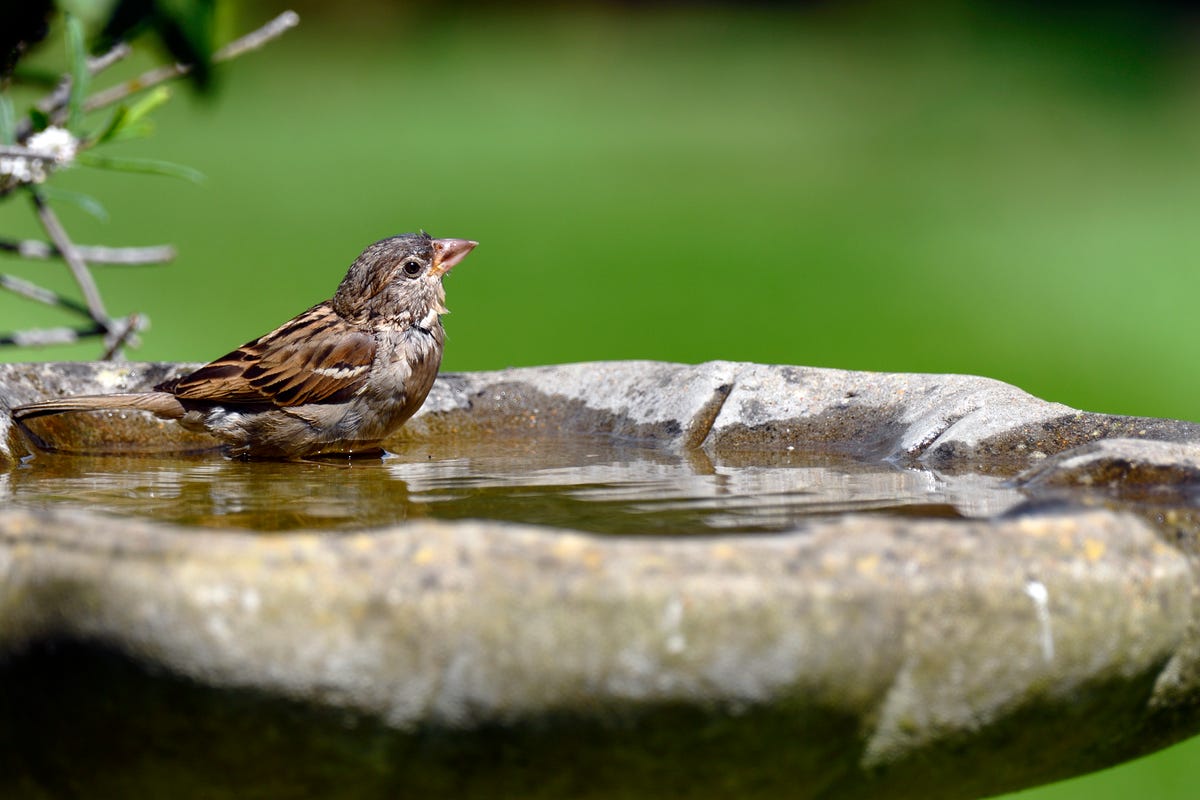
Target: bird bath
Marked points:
624	579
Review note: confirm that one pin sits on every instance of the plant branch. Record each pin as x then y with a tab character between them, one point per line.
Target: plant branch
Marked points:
24	288
92	254
65	99
16	151
40	337
256	39
251	41
126	334
79	269
56	101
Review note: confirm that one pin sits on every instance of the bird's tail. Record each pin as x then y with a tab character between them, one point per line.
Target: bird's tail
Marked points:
162	404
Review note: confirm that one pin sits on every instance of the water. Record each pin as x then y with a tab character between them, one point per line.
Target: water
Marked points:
584	484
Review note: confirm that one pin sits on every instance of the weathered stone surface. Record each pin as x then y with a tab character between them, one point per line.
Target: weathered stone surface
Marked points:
1122	466
862	656
934	646
104	432
672	403
949	422
952	422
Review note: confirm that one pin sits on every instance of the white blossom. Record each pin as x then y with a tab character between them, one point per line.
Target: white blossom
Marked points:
54	147
21	169
57	143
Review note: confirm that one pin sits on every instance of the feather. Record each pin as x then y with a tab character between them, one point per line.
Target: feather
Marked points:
159	403
293	365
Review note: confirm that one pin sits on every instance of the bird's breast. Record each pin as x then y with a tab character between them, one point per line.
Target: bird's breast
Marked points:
407	362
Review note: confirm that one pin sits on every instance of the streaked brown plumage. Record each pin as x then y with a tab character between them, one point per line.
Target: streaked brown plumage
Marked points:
338	378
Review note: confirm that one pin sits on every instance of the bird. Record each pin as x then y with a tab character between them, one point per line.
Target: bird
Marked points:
337	379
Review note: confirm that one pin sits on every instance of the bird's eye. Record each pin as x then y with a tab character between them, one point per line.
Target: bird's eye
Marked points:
412	268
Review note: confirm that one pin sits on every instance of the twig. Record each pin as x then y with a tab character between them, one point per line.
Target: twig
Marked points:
126	334
251	41
97	64
56	101
40	337
16	151
42	295
92	254
79	269
117	334
256	39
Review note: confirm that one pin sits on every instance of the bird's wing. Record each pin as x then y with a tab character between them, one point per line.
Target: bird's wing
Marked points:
317	357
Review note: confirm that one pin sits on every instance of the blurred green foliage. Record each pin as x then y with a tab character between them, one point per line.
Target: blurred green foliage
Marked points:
888	192
868	186
182	29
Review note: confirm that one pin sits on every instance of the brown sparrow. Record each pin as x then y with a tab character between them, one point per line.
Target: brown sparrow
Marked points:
338	378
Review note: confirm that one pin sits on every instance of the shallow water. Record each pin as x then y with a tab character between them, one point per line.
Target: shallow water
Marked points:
583	484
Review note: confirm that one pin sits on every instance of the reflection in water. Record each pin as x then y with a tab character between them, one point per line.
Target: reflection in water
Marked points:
583	484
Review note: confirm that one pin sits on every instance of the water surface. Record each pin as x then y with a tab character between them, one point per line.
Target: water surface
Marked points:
585	484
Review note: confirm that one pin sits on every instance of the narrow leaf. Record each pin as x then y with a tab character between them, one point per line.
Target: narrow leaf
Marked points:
80	77
146	165
134	130
115	123
148	103
83	201
130	121
8	122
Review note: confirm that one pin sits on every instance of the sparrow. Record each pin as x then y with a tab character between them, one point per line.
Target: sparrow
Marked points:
337	379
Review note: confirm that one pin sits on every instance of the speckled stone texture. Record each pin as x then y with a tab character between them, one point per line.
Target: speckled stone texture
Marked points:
866	656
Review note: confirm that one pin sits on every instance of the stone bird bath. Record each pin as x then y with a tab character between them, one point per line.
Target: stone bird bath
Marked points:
603	580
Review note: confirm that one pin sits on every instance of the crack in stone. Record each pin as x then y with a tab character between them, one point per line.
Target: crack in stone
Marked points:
706	417
930	440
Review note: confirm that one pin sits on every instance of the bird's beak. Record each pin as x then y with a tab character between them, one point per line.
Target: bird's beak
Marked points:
448	252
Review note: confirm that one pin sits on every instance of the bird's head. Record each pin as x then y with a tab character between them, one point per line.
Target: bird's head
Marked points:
398	280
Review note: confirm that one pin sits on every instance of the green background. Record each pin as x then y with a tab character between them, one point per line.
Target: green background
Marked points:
929	187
